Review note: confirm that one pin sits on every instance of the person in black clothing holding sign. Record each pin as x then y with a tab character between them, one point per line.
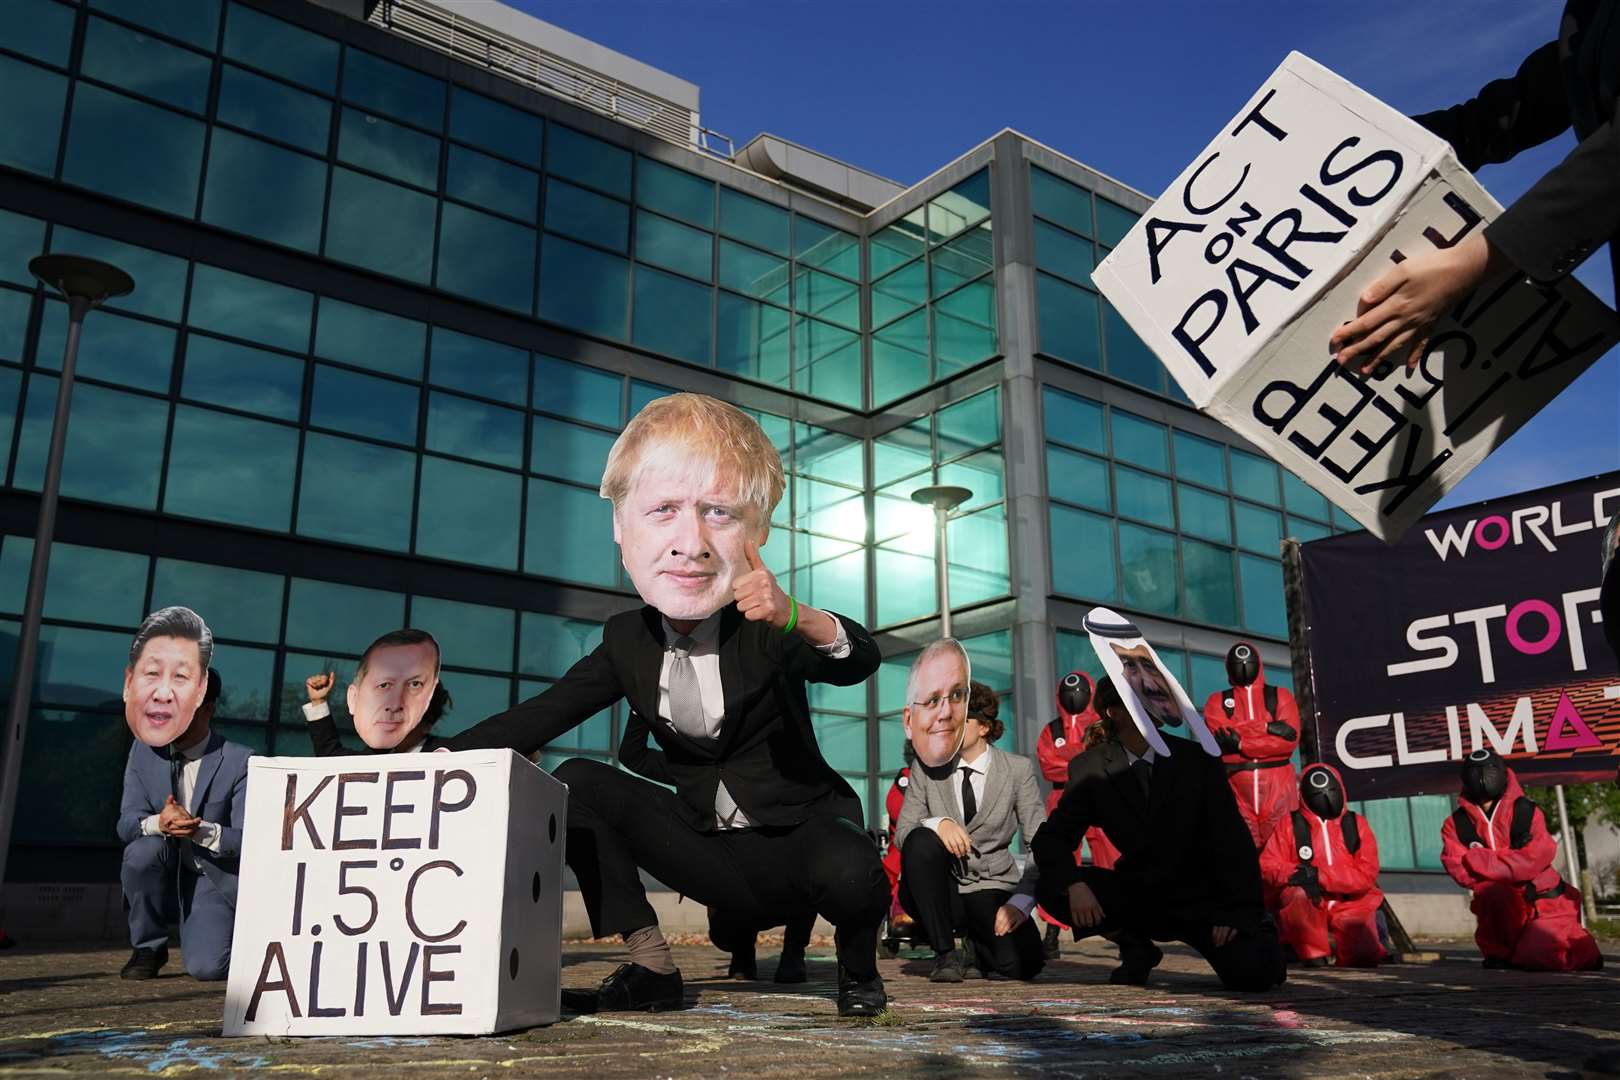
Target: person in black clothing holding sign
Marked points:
717	661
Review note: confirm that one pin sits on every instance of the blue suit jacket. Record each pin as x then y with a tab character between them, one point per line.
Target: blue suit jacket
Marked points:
220	797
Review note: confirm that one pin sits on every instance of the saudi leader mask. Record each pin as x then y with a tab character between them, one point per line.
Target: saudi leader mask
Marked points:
1151	694
1484	776
1242	664
935	716
167	676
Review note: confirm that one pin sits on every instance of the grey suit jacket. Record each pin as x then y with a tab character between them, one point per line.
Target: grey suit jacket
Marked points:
1012	803
220	797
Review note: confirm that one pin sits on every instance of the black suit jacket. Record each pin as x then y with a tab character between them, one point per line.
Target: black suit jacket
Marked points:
766	751
1184	850
1570	82
324	738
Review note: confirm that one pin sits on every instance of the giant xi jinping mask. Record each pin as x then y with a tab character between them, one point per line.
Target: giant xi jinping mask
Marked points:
167	676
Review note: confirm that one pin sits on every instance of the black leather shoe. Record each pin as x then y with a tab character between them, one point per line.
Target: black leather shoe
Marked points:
144	963
1050	944
631	988
949	967
1137	959
791	968
1316	961
1496	963
862	998
743	965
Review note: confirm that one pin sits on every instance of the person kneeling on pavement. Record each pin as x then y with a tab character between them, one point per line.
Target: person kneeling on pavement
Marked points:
1187	869
955	834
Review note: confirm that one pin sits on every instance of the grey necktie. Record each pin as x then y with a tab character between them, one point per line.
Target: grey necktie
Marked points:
685	701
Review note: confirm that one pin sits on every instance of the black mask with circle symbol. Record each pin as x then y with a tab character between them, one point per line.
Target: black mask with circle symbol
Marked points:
1242	664
1321	793
1074	693
1484	776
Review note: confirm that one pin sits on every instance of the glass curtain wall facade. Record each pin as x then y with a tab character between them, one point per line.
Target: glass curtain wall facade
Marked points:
392	312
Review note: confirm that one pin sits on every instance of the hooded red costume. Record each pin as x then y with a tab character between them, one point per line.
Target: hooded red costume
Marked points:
1257	728
1529	917
1059	742
891	857
1321	863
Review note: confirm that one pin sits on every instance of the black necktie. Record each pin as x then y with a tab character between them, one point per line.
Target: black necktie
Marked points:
176	763
970	805
1144	774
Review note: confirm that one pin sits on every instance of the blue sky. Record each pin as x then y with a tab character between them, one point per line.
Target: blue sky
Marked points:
1134	90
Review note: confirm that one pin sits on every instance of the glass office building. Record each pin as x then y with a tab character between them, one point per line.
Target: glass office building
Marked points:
393	306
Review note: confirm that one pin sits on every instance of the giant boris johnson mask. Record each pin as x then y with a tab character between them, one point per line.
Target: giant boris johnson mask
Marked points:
167	676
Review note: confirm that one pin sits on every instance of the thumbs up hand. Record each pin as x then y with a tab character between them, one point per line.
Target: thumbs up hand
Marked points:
759	598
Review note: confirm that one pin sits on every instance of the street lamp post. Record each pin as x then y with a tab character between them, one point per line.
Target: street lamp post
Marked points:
943	498
86	284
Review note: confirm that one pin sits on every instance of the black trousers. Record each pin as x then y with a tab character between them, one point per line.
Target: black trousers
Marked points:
930	894
1251	961
619	824
729	933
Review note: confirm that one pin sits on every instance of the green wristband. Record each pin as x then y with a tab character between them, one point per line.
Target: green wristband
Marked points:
793	619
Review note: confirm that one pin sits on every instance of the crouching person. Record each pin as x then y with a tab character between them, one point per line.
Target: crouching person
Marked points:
182	809
1322	863
1497	846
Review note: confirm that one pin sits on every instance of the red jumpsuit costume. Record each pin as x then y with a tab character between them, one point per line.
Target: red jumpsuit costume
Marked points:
1059	742
1529	917
1321	864
1257	728
891	857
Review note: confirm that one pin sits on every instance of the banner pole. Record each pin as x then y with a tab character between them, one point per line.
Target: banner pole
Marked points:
1572	858
1299	650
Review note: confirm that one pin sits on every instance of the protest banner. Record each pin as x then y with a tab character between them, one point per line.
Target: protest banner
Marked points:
1239	274
1479	628
398	894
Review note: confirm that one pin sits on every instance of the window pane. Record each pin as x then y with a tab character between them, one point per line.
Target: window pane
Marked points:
80	667
41	29
381	226
968	425
149	67
1429	813
753	273
1074	420
1141	442
1068	322
1208	677
674	192
583	288
1301	498
10	394
575	212
1211	585
826	248
1263	609
388	148
1128	357
241	604
1254	478
133	151
842	740
1147	560
827	362
1201	460
114	444
905	585
274	109
1143	496
1390	821
341	618
898	243
31	101
161	277
643	392
21	238
365	337
575	390
492	184
83	584
551	644
247	307
1063	253
1060	201
486	258
899	292
672	315
580	157
568	451
264	191
469	635
364	405
1113	222
960	207
827	297
978	556
14	309
472	429
1203	514
754	220
753	339
231	469
900	358
583	552
1303	530
1257	529
1077	478
1082	554
193	21
496	127
455	495
356	493
281	48
980	473
392	89
114	348
965	258
477	366
965	327
664	243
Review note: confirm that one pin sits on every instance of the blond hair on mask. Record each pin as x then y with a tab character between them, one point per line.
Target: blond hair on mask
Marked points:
711	438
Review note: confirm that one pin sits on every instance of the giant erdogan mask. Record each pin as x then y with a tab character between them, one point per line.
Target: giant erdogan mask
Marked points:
1152	695
935	715
393	688
167	676
1074	695
1242	664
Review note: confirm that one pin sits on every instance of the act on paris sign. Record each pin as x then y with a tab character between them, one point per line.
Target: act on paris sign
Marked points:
398	894
1238	275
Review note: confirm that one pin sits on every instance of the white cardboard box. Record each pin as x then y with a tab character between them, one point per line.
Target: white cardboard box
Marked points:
1239	273
398	894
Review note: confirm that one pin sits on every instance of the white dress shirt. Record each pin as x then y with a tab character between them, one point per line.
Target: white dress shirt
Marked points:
207	834
705	656
979	767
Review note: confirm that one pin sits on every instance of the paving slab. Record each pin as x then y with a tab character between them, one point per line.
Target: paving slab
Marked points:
64	1011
